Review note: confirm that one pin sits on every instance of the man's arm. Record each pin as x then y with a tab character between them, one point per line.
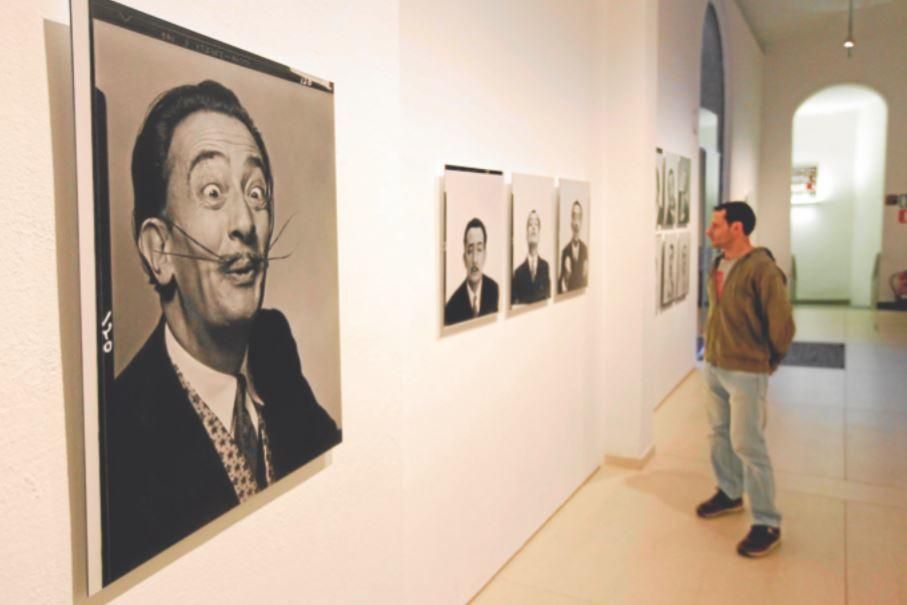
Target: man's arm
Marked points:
777	314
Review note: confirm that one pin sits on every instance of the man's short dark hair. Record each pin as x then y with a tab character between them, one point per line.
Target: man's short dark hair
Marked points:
576	203
529	217
738	212
149	156
472	224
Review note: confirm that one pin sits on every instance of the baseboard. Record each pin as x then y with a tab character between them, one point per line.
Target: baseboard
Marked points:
631	463
823	302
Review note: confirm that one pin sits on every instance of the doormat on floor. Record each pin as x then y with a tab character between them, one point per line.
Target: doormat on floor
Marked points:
815	355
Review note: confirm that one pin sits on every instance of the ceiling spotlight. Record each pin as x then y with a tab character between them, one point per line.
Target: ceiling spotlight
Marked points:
849	43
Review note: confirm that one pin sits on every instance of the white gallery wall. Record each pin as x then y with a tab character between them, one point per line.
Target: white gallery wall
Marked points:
501	422
796	68
823	271
456	448
680	43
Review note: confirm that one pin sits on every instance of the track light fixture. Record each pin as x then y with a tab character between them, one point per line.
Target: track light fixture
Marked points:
849	42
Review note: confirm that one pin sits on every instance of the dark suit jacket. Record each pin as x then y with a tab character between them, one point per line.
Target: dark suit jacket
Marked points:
162	479
579	273
458	308
525	289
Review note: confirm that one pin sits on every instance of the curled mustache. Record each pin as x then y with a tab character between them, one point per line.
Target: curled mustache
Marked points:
228	261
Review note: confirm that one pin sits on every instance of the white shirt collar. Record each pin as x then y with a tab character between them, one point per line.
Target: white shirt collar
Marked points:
216	389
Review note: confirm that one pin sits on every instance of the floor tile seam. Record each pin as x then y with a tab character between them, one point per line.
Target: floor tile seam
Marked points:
547	589
859	409
794	475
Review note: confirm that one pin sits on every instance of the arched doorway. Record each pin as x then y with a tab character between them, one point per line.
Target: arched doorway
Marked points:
837	189
711	147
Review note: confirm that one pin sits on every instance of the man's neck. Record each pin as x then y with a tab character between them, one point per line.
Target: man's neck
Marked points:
741	247
222	350
473	287
533	253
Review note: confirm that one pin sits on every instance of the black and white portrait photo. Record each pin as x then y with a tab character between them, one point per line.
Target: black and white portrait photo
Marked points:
659	244
682	279
659	189
670	191
475	243
668	268
216	286
533	230
683	191
574	213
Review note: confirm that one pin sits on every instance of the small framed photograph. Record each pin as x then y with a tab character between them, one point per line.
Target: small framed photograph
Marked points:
534	229
574	212
475	243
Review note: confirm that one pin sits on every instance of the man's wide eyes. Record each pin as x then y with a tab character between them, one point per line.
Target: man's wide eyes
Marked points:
257	193
211	191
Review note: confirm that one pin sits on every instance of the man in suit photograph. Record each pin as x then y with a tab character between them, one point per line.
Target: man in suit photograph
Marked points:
671	193
668	268
575	255
478	294
214	407
531	282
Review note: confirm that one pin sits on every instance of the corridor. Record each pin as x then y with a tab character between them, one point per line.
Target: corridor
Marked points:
838	440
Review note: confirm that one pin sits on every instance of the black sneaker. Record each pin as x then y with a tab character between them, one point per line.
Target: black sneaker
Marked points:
719	504
761	540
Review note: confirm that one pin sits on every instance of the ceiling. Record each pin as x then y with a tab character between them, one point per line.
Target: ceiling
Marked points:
774	20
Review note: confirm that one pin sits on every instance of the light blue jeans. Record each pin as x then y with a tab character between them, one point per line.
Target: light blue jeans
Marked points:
737	414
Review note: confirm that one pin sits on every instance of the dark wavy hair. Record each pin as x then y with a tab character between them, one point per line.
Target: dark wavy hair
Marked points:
472	224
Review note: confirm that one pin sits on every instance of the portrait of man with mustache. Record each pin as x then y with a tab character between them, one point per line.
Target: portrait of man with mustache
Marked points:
478	294
214	407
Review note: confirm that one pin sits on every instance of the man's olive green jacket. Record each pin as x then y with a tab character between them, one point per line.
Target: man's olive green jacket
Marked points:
751	326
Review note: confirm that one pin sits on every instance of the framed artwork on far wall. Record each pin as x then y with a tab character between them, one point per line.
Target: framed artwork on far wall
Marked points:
668	269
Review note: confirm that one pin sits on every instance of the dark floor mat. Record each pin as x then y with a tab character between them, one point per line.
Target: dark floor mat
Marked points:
815	355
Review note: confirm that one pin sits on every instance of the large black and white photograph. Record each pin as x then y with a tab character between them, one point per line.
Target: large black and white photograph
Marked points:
475	243
574	213
216	289
533	231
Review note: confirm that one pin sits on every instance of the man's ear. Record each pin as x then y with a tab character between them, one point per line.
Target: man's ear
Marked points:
154	244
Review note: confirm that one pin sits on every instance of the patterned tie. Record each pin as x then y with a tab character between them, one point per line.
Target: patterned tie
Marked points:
244	431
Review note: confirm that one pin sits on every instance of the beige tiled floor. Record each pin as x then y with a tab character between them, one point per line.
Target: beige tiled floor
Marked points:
838	439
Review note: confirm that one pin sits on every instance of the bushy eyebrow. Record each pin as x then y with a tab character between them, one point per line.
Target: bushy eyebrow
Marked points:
255	161
208	154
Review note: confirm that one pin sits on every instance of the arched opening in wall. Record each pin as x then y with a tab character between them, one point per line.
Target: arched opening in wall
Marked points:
837	194
711	146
